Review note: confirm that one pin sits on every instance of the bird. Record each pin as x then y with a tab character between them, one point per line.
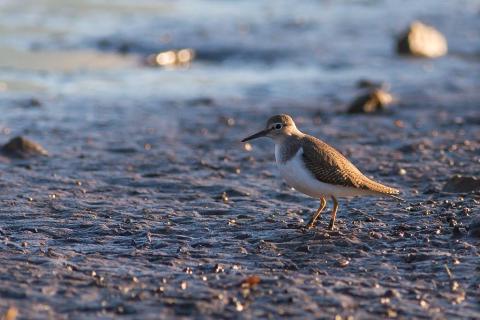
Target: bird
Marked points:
315	168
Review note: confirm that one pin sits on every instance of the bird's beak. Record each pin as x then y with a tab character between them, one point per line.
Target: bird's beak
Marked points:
260	134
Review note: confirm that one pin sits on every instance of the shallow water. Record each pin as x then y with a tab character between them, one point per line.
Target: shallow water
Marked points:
126	216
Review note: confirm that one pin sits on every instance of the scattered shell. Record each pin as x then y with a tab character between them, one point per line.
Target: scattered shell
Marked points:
172	58
343	263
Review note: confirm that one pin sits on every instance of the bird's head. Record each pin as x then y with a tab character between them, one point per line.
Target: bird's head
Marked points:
278	127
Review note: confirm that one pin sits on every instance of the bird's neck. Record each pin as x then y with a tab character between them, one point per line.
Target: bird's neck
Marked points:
287	147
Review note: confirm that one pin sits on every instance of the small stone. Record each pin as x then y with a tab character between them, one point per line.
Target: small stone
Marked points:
224	197
218	268
372	101
424	304
250	282
375	235
461	184
459	298
303	248
183	285
399	124
454	286
392	293
402	172
343	263
391	313
20	147
422	40
238	306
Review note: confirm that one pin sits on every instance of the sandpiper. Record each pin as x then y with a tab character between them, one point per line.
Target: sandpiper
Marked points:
316	169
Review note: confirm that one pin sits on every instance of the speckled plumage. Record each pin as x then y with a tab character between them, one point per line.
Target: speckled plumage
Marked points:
316	169
330	166
324	162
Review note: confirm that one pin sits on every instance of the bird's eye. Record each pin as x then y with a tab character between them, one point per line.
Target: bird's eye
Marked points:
278	126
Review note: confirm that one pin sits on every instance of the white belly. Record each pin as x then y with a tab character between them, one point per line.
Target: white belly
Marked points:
297	176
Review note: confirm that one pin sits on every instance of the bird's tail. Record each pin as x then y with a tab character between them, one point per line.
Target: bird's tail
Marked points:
381	189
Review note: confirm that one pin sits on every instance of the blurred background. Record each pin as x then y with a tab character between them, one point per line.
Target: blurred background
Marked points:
252	52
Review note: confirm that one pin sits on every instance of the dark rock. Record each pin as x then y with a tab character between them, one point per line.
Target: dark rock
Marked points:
369	84
416	147
201	101
30	103
392	293
422	41
20	147
303	248
238	192
456	231
462	184
373	101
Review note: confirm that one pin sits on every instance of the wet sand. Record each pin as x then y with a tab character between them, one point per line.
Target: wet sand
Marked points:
148	206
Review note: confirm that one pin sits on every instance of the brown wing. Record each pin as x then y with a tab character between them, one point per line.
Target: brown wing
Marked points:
330	166
327	164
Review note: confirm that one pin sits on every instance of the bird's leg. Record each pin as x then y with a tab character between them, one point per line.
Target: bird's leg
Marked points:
334	213
312	221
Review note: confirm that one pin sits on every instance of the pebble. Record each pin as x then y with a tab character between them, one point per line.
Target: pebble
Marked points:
421	40
21	147
373	101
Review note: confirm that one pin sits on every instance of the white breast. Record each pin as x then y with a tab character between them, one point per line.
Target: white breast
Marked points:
297	176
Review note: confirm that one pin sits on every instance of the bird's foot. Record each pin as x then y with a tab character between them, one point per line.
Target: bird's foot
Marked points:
309	226
306	228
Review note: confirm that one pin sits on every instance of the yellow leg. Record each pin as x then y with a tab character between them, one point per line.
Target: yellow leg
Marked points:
312	221
334	213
